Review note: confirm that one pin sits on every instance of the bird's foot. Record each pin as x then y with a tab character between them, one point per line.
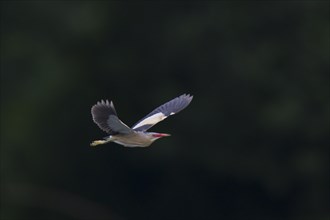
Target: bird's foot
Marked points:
97	142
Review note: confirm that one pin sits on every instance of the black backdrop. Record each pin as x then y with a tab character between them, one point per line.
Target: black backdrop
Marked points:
253	144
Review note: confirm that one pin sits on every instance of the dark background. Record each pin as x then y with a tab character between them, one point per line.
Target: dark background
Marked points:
253	144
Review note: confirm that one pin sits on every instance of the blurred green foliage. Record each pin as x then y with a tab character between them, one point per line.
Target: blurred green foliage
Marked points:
254	143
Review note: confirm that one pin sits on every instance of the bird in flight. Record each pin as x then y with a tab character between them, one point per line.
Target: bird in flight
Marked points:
105	116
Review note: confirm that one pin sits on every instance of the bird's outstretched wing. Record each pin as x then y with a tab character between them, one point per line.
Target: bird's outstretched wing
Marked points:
105	116
169	108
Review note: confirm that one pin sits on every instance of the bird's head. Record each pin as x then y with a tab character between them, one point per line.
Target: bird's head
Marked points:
154	136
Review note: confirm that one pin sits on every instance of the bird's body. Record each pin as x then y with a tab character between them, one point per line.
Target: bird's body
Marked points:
134	139
105	116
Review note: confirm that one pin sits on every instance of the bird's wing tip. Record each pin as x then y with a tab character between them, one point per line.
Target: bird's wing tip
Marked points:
188	97
104	102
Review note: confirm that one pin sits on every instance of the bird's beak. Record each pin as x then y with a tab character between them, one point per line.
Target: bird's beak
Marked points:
161	135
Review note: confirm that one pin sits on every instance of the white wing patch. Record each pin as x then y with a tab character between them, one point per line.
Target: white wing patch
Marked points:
151	120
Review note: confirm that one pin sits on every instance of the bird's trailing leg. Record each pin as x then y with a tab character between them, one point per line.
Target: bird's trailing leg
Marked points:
98	142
